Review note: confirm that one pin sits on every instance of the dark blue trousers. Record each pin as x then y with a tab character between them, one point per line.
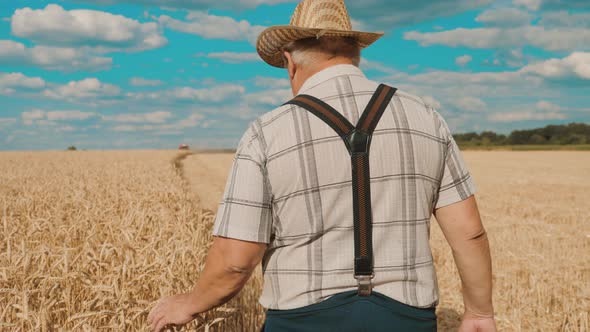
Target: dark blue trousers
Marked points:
348	312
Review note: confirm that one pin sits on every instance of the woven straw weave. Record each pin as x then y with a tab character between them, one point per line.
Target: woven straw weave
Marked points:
312	18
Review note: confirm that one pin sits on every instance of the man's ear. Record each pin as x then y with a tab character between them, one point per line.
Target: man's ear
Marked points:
291	68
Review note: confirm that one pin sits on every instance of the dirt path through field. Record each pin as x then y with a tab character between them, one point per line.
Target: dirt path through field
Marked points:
178	163
206	174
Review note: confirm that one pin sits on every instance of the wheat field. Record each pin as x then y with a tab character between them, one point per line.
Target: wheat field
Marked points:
91	240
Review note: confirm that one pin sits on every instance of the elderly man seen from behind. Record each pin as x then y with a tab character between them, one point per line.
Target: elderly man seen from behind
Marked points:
333	193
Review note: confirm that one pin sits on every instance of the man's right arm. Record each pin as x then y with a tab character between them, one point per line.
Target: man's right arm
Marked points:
462	227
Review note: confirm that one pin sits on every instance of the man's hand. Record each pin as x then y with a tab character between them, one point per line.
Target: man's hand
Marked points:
470	324
228	267
171	310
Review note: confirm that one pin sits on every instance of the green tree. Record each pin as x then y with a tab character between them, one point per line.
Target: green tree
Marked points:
519	137
573	133
575	139
537	139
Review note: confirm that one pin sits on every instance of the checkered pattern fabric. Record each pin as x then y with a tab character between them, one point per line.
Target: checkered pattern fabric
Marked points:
290	187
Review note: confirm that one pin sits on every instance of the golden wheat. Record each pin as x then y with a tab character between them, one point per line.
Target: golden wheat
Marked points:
90	240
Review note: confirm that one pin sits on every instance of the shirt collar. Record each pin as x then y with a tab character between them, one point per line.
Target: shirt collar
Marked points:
329	73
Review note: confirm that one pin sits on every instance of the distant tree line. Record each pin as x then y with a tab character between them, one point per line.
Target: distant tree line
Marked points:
573	133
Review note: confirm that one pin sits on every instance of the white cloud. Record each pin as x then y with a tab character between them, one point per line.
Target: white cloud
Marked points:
68	115
89	88
11	49
224	93
548	106
213	27
525	116
432	102
195	4
66	129
7	121
471	104
153	117
475	38
43	117
216	94
552	4
58	27
18	80
565	19
444	78
271	82
447	85
235	57
576	65
380	14
191	121
51	58
511	58
530	4
375	65
139	81
132	128
387	14
496	62
269	98
500	91
553	39
504	17
11	82
67	59
463	60
32	116
358	25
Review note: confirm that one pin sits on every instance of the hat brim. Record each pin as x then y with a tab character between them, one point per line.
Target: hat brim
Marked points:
271	41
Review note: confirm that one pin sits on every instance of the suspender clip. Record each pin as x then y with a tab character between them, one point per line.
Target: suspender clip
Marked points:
358	142
365	285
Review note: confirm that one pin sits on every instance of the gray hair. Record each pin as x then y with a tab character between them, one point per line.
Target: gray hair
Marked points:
310	51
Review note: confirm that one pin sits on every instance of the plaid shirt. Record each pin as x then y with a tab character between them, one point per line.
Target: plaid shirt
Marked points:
290	187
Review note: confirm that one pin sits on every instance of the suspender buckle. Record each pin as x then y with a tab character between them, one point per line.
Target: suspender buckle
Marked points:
358	142
365	286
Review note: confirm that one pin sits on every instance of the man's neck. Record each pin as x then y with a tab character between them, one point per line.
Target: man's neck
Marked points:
329	63
307	73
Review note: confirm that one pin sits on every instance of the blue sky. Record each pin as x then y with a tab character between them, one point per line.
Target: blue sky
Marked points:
130	74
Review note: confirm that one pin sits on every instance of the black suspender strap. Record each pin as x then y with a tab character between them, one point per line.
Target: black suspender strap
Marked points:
358	143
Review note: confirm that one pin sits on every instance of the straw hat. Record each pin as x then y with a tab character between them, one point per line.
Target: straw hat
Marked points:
312	18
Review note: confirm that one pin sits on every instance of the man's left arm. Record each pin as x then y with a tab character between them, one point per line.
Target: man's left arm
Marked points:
228	266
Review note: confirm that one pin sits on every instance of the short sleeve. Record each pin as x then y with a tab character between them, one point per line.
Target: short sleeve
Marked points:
456	184
245	210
